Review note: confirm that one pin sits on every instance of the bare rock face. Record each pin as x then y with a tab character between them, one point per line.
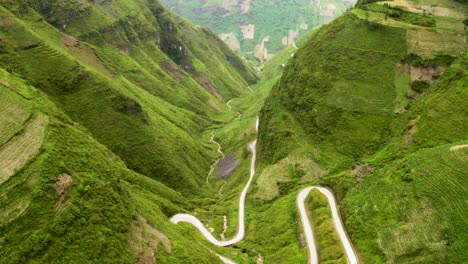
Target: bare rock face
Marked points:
228	4
227	166
173	70
428	74
248	31
204	81
261	52
245	7
250	21
231	40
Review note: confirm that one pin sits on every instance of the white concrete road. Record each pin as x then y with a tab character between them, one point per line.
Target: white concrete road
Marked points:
313	259
241	228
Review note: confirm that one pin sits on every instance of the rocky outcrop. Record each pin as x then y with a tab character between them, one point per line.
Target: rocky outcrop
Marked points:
231	40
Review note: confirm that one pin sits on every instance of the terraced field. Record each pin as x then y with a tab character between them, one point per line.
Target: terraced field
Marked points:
444	182
13	113
447	36
22	148
428	43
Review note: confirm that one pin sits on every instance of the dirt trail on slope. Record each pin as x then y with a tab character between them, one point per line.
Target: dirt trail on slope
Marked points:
458	147
225	227
213	166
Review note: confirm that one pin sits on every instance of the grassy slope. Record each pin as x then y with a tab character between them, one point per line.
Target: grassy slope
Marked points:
116	120
329	245
338	85
91	220
335	106
419	183
112	81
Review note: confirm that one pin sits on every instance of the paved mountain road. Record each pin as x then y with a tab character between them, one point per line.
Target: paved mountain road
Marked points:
241	228
337	222
300	201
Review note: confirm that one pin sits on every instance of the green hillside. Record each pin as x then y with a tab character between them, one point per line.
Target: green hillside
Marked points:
68	198
144	82
374	106
116	115
104	104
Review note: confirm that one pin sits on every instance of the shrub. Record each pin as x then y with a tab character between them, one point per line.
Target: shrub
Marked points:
420	86
402	15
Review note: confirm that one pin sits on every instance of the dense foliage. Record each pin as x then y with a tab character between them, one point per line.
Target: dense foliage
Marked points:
388	142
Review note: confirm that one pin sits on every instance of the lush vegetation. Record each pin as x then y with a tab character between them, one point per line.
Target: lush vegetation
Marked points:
107	110
403	15
111	76
48	219
101	102
395	162
329	244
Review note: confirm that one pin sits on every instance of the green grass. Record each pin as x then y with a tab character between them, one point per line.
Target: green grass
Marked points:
20	149
113	82
402	15
413	208
428	44
119	125
273	231
294	169
329	245
124	130
335	105
14	115
402	84
95	217
319	81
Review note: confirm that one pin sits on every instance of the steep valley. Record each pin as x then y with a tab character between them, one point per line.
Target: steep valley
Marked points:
119	119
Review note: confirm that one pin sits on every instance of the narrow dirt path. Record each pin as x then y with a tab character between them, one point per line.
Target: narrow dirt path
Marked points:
220	191
213	166
215	142
225	227
239	115
228	104
458	147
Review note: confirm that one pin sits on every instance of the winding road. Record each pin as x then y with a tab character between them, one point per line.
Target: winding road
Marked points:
294	45
241	228
300	201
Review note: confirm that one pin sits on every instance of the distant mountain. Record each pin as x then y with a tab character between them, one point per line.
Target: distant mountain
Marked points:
260	28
